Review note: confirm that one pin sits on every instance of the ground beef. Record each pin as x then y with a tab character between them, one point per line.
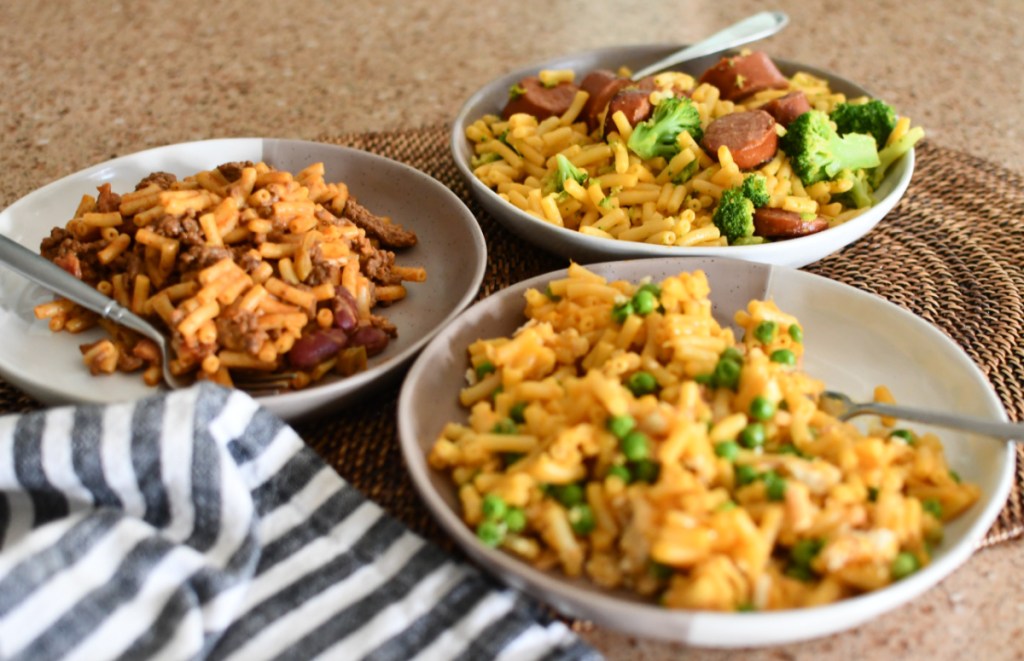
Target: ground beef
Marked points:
161	179
76	257
232	171
388	233
377	267
198	257
239	330
108	200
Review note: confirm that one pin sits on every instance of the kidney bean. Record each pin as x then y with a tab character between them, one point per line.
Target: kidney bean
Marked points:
317	346
346	314
374	339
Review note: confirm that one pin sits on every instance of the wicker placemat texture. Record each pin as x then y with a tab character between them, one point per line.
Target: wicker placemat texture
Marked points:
949	252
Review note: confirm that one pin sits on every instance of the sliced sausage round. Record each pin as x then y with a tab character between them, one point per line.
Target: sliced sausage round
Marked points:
742	75
787	108
534	98
635	104
781	224
601	85
750	137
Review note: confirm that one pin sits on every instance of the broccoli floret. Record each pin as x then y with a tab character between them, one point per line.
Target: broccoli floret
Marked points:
565	170
875	118
734	215
818	153
657	136
890	153
859	196
755	189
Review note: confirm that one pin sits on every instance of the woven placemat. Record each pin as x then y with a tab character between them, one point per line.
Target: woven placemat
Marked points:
948	252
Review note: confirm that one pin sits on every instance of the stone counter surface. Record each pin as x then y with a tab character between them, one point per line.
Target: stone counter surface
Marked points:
83	82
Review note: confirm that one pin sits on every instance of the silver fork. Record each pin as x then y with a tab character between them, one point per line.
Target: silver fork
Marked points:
841	406
43	272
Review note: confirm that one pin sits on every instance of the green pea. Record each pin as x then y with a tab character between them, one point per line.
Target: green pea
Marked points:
634	445
746	607
752	436
515	519
904	435
497	391
620	472
789	448
783	357
800	573
551	295
733	354
622	311
484	368
764	332
727	374
516	412
647	470
494	507
745	474
641	383
504	426
568	494
762	408
727	450
704	379
644	302
905	564
491	533
581	518
620	425
872	494
651	287
933	507
796	333
775	485
956	476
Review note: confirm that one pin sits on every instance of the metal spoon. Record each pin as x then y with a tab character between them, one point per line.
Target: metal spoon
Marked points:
844	408
758	26
44	272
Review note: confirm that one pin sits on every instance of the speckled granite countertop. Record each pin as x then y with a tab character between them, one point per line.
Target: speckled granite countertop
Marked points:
86	81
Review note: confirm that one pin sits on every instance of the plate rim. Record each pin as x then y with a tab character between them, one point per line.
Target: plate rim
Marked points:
684	626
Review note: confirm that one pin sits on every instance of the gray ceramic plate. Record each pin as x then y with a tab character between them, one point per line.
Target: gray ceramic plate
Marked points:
583	248
855	342
451	247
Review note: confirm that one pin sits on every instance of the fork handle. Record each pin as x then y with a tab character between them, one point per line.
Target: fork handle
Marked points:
43	272
1013	431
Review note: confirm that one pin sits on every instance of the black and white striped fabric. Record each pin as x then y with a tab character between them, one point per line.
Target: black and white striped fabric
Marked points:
196	524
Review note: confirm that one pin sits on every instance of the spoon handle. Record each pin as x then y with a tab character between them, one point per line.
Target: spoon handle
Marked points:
1004	430
758	26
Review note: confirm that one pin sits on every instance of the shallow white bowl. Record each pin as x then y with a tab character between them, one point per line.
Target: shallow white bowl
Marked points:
48	366
584	248
854	341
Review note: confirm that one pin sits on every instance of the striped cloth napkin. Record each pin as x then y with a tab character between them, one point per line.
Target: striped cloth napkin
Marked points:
196	524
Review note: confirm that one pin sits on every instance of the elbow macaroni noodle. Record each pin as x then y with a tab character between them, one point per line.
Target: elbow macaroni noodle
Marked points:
236	270
628	438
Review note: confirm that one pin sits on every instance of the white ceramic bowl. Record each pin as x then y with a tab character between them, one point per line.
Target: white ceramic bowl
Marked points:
584	248
853	341
48	366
